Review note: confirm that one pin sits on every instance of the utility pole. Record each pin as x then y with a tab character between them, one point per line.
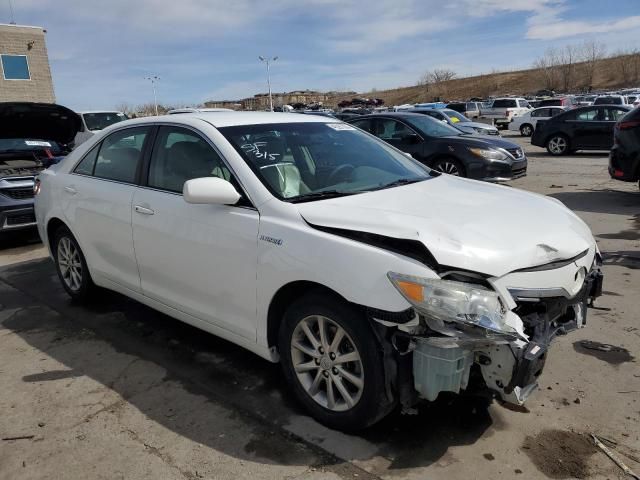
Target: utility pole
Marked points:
268	60
13	18
153	79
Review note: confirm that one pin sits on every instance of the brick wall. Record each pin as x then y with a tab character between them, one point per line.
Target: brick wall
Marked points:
15	40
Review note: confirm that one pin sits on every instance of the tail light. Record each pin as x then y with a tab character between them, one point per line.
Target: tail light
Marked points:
506	114
629	124
36	187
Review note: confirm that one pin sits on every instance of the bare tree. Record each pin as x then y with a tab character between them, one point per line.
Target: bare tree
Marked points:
567	59
591	53
436	80
624	66
125	108
440	75
548	66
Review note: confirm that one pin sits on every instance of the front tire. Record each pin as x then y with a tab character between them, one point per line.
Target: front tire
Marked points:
558	145
331	359
71	265
450	166
526	130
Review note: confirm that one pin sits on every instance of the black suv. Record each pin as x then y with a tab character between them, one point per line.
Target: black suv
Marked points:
445	148
624	158
33	136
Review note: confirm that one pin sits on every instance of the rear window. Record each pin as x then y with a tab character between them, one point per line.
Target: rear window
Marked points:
458	107
555	102
608	101
505	103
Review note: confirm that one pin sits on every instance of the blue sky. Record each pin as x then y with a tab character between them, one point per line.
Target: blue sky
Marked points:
100	51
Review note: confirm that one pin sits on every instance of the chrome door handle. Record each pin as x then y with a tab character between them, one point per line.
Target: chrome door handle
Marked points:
143	210
70	190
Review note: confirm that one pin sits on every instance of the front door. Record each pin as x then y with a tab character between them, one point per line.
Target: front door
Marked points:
400	136
199	259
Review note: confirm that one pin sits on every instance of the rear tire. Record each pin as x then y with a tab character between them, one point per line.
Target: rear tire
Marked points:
450	166
558	144
71	265
345	395
526	130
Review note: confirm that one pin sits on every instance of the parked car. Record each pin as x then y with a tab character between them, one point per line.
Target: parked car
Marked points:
502	110
567	102
470	110
312	243
583	128
445	148
611	100
527	122
94	122
458	121
33	136
624	158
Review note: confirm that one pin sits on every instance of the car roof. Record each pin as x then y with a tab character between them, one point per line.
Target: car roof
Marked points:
399	115
100	111
232	119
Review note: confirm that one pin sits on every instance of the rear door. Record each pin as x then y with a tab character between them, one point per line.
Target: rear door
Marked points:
586	127
96	200
612	115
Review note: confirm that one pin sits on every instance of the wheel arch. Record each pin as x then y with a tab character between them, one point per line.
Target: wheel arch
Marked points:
52	225
284	297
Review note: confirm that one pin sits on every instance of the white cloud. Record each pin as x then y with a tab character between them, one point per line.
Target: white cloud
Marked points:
562	28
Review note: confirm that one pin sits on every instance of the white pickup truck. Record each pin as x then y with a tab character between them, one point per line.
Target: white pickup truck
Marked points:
502	110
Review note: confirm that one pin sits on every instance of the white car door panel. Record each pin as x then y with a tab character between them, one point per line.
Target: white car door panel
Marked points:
200	259
97	202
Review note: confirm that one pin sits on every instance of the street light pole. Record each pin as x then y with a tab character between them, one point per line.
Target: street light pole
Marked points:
268	60
153	79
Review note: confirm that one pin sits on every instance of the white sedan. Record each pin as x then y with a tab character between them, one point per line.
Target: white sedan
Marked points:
373	280
526	123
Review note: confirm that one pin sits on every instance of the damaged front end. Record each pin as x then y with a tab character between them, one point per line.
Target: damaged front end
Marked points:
460	336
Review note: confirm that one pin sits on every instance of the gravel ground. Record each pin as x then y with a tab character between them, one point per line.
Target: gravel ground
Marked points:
116	390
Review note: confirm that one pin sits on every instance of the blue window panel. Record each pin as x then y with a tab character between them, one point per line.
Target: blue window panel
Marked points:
15	67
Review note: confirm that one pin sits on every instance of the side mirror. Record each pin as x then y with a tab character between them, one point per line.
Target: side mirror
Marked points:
210	190
412	138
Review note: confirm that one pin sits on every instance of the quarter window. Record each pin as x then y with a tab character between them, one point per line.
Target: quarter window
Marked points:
15	67
120	155
180	155
85	167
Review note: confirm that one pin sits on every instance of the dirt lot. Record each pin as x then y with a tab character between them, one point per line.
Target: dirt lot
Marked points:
116	390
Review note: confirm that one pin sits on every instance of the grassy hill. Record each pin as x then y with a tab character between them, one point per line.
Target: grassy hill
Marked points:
609	73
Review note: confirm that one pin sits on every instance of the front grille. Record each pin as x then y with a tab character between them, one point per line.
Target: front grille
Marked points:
516	152
18	193
21	219
494	132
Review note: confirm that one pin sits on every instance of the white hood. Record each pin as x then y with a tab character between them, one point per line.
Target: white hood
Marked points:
465	224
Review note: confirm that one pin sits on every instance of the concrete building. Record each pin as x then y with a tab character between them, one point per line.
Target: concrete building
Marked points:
25	75
260	101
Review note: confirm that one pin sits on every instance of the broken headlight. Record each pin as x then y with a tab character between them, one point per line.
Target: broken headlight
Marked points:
451	301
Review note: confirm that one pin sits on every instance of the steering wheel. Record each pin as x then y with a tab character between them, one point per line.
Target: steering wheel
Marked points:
340	170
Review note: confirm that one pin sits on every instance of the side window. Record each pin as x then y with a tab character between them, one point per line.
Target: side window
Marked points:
523	103
590	115
615	114
85	167
120	155
538	113
363	124
180	155
388	129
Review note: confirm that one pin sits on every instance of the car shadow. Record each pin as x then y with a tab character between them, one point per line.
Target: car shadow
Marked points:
607	200
225	374
586	154
19	239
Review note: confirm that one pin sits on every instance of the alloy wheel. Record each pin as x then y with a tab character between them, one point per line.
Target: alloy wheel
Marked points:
558	145
327	363
526	130
448	167
69	264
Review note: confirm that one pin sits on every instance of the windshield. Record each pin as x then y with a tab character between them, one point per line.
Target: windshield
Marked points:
101	120
16	145
455	117
305	161
432	127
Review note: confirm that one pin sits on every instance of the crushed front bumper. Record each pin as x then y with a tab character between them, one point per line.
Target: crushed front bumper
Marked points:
444	358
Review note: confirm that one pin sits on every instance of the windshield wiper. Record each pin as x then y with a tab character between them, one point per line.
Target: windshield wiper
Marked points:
319	195
397	183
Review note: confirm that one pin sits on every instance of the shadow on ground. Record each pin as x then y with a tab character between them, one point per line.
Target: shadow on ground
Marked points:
601	201
225	374
19	238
